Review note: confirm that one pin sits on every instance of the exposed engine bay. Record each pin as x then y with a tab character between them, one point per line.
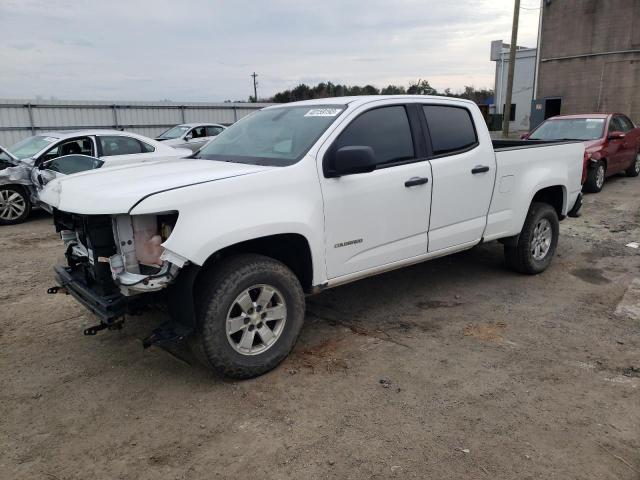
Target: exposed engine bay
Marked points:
119	253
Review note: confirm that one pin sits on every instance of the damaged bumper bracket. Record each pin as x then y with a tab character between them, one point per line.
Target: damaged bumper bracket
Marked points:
107	308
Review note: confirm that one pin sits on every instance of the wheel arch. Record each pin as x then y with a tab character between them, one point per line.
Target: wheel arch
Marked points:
555	195
292	249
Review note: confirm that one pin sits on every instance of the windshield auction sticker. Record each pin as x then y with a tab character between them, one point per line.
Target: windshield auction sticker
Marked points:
323	112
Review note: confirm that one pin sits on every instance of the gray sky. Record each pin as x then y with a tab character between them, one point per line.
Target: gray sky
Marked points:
205	50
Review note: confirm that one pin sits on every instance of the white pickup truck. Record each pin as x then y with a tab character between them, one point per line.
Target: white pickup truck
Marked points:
298	198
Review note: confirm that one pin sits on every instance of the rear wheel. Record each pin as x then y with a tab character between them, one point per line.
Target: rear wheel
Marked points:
595	178
634	168
15	205
250	311
537	241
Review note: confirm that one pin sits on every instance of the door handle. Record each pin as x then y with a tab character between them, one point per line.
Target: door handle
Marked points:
479	169
414	181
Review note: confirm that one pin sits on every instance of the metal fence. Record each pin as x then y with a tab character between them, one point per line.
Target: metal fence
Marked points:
22	118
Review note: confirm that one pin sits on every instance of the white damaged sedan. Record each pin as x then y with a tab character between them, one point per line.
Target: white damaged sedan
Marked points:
29	164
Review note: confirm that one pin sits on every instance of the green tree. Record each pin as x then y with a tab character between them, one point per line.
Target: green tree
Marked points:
421	87
393	90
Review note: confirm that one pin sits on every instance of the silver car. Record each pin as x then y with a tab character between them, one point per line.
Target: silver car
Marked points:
190	135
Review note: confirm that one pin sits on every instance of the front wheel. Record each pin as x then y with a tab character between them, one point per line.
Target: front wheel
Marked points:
634	168
250	311
15	204
537	241
595	178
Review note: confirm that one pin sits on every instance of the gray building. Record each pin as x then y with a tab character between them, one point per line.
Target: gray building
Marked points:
589	58
523	79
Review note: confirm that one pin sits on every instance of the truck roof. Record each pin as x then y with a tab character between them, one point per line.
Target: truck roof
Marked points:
362	99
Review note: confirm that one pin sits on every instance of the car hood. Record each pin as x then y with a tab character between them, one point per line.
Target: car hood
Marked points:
117	189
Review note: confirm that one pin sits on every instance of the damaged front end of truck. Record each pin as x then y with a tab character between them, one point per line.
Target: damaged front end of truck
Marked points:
117	266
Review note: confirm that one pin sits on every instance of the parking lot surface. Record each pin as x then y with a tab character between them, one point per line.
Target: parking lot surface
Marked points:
455	368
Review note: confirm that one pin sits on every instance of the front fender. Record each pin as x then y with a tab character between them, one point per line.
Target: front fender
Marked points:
213	216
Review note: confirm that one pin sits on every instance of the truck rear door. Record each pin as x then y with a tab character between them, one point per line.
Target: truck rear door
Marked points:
464	168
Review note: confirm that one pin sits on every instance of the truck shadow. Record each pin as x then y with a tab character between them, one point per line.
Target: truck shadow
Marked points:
402	299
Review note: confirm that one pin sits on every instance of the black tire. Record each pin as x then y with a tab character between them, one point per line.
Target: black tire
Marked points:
216	294
594	182
8	214
634	168
520	257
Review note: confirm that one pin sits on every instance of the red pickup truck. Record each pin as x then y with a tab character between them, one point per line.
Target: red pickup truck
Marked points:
612	143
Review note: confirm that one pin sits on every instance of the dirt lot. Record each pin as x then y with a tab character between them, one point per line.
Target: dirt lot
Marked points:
455	368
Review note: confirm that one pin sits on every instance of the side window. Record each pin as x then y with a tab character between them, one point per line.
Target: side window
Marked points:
76	146
198	132
116	145
386	130
69	164
451	129
627	124
615	125
146	148
213	131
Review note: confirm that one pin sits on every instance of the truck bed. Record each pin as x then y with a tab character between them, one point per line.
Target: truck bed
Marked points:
529	166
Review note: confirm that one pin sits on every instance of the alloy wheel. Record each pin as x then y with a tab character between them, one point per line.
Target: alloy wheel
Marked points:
256	319
600	177
12	205
541	242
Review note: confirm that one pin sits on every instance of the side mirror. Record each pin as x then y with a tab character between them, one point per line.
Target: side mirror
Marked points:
188	136
616	135
352	160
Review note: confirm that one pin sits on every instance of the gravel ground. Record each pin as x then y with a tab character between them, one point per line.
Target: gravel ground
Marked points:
455	368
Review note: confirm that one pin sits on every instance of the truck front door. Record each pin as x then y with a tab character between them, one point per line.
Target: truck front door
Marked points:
380	217
464	170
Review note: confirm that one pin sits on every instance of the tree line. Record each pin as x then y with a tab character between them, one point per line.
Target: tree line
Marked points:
329	89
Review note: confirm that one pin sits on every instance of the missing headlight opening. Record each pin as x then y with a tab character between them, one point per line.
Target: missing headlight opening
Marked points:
138	262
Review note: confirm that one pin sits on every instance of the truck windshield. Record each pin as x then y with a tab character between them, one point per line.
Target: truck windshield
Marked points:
30	146
174	132
274	136
570	129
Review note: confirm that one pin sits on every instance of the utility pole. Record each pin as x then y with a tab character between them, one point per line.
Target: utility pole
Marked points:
506	114
255	87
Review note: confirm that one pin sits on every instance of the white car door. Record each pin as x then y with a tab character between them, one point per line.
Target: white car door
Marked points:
464	171
380	217
61	166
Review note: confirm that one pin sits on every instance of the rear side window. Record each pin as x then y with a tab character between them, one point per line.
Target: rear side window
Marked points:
451	129
386	130
213	131
112	146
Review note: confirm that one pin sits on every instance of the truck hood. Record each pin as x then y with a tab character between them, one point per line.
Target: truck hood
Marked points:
117	189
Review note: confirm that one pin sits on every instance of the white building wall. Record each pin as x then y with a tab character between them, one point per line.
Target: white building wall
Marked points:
523	80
